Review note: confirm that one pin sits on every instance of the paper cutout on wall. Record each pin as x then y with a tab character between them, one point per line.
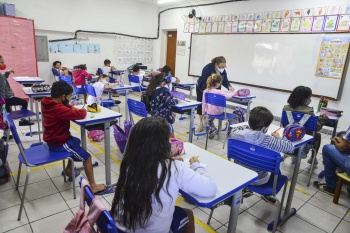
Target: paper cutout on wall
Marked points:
70	47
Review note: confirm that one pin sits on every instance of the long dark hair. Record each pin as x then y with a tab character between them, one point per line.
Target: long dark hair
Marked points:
153	84
299	95
148	150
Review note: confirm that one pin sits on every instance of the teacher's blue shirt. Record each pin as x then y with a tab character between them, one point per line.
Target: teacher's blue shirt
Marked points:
206	72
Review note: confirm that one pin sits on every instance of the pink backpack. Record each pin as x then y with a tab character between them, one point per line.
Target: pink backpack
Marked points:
243	92
96	135
82	222
177	147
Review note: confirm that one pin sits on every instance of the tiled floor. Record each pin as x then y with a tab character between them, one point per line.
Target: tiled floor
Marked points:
49	203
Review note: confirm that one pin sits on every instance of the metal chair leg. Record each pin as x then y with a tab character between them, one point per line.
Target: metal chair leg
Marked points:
312	166
73	177
279	207
24	194
64	170
18	174
227	129
210	215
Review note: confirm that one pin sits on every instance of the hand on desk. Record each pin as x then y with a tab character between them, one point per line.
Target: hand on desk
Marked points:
276	135
231	89
194	159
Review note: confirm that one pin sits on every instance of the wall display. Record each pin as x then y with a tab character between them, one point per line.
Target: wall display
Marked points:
202	27
295	25
318	24
191	28
275	25
208	28
228	27
133	50
221	27
320	11
235	17
227	18
258	25
186	27
181	48
241	26
287	14
250	16
258	16
196	27
330	23
285	25
235	26
220	18
332	57
345	10
266	25
344	23
309	12
72	47
214	27
306	24
267	14
214	19
333	10
209	19
297	13
249	27
242	16
277	14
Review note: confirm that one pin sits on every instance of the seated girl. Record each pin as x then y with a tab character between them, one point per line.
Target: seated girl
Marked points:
146	203
166	69
299	101
213	82
100	85
79	75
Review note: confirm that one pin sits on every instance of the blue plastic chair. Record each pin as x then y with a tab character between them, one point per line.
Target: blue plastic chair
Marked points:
136	107
261	158
34	156
311	126
100	72
104	103
55	72
69	80
135	79
220	101
105	222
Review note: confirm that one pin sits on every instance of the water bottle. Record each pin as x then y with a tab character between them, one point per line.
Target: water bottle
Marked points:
121	83
4	112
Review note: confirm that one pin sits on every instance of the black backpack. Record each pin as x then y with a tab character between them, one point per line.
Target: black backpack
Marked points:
4	168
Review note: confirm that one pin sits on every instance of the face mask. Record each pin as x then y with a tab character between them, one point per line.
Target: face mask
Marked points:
221	70
2	66
104	82
65	102
308	102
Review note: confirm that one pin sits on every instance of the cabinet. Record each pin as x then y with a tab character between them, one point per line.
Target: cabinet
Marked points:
17	46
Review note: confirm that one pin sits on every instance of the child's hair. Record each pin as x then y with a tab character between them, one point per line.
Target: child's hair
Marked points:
107	62
167	80
260	117
55	62
156	81
81	67
144	171
60	88
166	69
298	96
135	68
218	60
213	80
102	76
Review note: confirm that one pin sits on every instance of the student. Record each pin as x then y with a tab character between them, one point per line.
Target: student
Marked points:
107	67
100	85
214	82
336	154
299	101
166	69
147	203
57	114
259	121
79	76
60	70
10	99
161	100
136	72
167	83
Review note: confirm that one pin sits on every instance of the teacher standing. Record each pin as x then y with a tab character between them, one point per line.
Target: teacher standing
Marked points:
217	66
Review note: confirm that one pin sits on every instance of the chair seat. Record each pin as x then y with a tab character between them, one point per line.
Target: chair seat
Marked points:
344	176
137	89
39	155
22	114
266	189
222	116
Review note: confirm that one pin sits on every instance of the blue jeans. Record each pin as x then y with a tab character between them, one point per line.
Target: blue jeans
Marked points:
332	158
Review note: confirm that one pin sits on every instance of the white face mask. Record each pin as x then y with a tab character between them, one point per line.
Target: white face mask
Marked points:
308	102
104	81
221	70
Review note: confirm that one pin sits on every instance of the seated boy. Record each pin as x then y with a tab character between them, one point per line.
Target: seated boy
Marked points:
60	70
336	154
167	70
259	121
107	67
57	114
137	72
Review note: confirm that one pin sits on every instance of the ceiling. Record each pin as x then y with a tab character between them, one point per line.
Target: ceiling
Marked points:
154	2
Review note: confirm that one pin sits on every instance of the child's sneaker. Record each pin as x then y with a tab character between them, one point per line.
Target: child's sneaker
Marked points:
24	122
323	187
268	199
309	161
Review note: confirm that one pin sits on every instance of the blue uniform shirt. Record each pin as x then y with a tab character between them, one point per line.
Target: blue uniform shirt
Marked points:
208	70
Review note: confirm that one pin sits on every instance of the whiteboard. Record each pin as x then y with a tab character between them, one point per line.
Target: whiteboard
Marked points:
278	61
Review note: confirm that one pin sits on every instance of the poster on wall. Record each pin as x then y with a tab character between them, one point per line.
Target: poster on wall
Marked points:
234	26
344	23
330	23
318	24
186	27
71	47
133	50
266	25
249	27
285	24
332	57
306	24
202	28
275	25
181	48
257	25
228	26
295	25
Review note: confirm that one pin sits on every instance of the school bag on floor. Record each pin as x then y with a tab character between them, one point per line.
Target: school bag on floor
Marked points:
96	135
82	222
121	136
5	170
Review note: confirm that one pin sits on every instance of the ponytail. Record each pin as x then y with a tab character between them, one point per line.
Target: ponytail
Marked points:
213	80
218	60
153	84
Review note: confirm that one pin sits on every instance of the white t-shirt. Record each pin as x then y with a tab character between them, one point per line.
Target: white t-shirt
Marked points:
99	87
140	78
106	70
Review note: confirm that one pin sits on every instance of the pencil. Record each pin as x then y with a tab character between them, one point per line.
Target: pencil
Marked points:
195	158
277	129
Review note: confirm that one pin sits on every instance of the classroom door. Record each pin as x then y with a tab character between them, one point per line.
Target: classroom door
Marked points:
171	51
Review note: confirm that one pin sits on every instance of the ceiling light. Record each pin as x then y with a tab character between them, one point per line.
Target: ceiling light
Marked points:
166	1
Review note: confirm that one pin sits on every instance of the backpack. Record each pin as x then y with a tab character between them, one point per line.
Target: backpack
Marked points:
5	170
96	135
177	147
121	136
3	124
240	112
82	222
178	95
143	100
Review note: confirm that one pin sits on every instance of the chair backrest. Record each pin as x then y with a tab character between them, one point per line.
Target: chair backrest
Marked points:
137	108
133	79
90	90
99	71
55	72
105	222
310	125
215	99
67	79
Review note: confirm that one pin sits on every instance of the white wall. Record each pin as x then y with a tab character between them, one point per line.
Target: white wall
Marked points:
60	19
274	100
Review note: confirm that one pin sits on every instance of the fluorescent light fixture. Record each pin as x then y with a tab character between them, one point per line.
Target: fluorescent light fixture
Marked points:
166	1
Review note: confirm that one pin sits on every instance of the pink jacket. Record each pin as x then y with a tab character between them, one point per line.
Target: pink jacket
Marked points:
79	77
211	109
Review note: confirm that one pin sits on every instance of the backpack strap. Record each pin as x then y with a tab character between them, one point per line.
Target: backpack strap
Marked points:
290	117
304	119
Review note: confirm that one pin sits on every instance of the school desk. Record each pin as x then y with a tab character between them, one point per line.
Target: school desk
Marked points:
333	123
104	117
125	89
185	86
188	104
28	80
117	73
37	96
244	100
230	179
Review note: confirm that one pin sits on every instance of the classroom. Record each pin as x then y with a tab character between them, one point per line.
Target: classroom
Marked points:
175	116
